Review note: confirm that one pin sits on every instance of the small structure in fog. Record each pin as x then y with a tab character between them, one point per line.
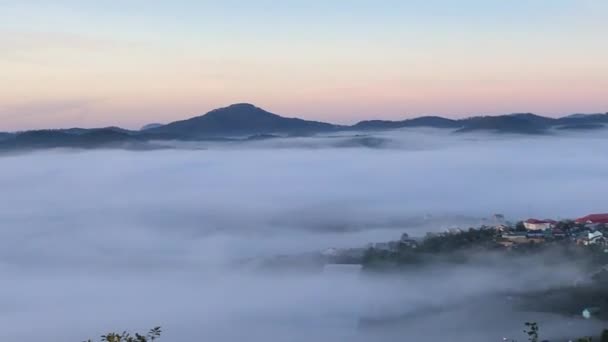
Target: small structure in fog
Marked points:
407	241
515	236
503	228
534	224
558	233
381	246
592	238
589	313
330	252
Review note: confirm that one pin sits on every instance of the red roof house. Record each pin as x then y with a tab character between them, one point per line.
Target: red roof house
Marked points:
593	218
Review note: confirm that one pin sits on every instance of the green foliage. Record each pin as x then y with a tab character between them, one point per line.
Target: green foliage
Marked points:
520	227
565	225
152	335
448	246
457	241
532	331
533	334
604	337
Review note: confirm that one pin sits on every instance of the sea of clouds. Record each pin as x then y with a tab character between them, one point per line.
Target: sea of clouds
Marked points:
97	240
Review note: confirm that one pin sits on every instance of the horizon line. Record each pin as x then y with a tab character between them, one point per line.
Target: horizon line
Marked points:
406	118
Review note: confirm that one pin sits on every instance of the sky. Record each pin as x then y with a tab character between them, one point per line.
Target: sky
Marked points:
67	63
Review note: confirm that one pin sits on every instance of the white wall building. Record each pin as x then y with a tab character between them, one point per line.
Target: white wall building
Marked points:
534	224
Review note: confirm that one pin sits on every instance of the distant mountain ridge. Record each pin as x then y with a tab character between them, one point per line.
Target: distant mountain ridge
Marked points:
92	138
5	136
245	121
423	121
523	123
150	126
241	119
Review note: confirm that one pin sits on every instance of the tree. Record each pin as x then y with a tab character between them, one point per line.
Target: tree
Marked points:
152	335
520	227
604	337
532	331
533	335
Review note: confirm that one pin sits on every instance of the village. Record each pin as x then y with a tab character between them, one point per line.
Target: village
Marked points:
586	231
492	234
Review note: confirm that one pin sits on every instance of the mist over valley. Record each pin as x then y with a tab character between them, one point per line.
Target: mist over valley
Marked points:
91	239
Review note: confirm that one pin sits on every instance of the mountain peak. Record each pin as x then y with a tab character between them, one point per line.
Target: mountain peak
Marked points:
241	119
238	109
242	105
240	114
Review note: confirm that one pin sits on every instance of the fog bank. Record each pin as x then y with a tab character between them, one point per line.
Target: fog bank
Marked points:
107	239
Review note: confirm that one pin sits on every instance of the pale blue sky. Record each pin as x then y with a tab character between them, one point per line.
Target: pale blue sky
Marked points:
128	62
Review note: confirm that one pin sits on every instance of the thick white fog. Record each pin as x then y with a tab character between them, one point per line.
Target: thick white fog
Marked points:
92	241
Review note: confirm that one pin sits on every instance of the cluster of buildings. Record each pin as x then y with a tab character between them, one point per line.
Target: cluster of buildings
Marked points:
587	230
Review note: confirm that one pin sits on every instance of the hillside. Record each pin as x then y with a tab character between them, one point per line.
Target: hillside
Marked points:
241	120
246	121
5	136
423	121
513	123
519	123
93	138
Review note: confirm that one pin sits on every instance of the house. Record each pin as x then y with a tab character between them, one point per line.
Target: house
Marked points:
407	241
330	252
593	219
535	234
595	238
514	236
453	230
592	238
534	224
558	233
390	246
503	228
593	226
519	238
